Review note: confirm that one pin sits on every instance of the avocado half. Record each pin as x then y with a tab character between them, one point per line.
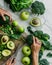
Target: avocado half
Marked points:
4	39
6	52
35	22
11	45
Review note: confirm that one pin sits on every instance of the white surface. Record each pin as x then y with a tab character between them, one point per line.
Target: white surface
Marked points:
46	28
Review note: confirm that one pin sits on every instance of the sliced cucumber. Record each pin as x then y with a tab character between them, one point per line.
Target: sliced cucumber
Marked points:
6	52
4	39
11	45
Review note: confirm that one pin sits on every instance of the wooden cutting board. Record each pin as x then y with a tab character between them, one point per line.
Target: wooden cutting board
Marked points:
17	43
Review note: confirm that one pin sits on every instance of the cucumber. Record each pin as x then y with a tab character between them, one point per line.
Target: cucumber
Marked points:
4	39
6	52
11	45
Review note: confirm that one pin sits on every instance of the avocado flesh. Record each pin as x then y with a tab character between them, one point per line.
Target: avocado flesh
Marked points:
11	45
35	22
4	39
6	52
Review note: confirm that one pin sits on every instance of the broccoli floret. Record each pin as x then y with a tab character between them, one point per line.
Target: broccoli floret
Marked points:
45	36
38	8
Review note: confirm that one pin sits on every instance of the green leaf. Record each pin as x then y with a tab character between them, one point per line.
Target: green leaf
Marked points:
49	55
44	62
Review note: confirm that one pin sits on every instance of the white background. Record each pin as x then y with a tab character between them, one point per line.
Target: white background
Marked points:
46	28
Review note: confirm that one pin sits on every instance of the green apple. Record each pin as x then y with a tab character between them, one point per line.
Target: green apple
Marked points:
26	50
20	29
24	15
26	60
15	23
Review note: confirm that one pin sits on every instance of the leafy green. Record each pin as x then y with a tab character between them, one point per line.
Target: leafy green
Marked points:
50	48
10	31
37	33
2	47
46	44
44	62
38	8
4	22
18	5
40	54
29	40
49	54
45	36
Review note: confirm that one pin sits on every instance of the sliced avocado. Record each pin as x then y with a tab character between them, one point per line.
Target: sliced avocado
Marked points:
11	45
6	52
4	39
35	22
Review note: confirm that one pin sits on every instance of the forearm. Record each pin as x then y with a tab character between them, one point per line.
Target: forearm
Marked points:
35	58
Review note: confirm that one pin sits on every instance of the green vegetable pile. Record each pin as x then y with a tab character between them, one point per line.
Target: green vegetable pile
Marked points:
10	29
18	5
44	37
38	8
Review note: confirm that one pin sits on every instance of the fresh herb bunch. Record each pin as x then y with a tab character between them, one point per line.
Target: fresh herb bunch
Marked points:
10	31
18	5
38	8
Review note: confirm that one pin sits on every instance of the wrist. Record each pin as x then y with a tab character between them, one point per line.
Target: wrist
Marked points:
35	54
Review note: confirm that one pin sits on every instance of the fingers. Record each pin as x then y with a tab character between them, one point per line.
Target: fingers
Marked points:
3	17
8	14
11	61
38	41
14	62
8	61
34	40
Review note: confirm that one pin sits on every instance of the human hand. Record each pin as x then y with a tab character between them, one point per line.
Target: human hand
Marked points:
10	61
36	45
4	12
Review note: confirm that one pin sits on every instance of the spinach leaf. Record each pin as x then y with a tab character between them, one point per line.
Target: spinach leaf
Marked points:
44	62
49	54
